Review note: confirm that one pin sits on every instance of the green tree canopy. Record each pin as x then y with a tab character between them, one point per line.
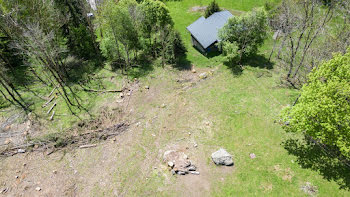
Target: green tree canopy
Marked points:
211	9
242	36
323	108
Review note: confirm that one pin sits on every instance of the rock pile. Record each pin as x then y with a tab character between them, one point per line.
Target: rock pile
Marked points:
179	163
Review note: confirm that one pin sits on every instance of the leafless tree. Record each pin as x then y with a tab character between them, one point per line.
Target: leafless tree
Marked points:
44	50
303	27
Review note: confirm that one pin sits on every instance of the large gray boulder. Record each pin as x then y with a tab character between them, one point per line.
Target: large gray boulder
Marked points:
222	157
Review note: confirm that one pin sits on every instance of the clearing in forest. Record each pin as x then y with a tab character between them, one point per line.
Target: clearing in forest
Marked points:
195	112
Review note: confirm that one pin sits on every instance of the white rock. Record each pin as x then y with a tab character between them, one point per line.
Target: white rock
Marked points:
21	150
194	172
222	157
170	164
192	168
38	189
181	172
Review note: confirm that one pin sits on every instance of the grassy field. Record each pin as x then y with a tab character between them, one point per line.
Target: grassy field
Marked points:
246	108
241	109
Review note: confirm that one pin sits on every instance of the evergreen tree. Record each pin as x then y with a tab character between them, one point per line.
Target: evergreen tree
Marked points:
211	9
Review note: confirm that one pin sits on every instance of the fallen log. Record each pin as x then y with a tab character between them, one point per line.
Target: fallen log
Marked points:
51	108
103	91
49	101
53	113
52	91
87	146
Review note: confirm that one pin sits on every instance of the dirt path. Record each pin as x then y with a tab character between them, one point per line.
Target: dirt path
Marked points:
163	117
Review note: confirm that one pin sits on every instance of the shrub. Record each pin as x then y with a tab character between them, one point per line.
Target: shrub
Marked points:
242	36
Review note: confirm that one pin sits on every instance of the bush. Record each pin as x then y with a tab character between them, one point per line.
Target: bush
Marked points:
323	108
242	36
211	9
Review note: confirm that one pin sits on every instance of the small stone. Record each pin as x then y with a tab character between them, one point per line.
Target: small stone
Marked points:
4	190
192	168
128	94
21	151
203	75
147	87
163	105
36	146
170	164
252	155
154	135
222	157
120	100
180	172
195	145
189	133
309	189
154	167
38	189
185	156
16	177
193	70
121	95
194	172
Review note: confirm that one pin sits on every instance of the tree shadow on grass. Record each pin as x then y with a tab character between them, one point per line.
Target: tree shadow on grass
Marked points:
79	69
183	63
312	156
212	54
143	68
256	60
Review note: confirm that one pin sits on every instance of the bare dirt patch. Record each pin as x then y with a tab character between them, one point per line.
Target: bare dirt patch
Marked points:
131	163
198	8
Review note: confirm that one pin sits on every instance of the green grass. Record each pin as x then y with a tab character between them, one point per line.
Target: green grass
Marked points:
183	16
245	108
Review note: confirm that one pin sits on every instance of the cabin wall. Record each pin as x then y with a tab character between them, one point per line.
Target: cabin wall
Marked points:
212	48
196	44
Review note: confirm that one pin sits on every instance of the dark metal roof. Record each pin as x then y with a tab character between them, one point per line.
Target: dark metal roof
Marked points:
205	30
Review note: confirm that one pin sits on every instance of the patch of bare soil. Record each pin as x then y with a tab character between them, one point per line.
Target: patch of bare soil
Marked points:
159	118
198	8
